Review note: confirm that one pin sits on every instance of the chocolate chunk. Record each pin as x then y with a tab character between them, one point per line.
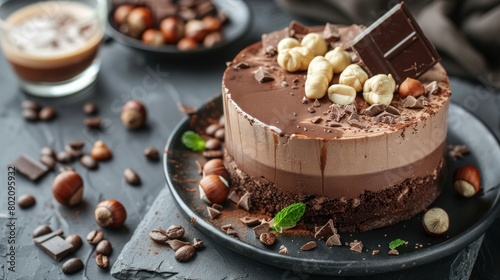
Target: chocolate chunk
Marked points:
262	76
386	118
351	108
186	110
412	103
31	168
356	246
244	201
26	201
374	110
297	28
392	110
332	124
250	221
316	119
212	212
336	112
241	65
304	100
424	101
309	246
233	196
375	252
72	266
358	124
271	50
432	88
393	252
94	123
331	33
311	110
55	246
333	240
217	206
283	250
316	103
260	229
176	244
226	227
354	116
395	44
232	232
158	236
326	230
270	41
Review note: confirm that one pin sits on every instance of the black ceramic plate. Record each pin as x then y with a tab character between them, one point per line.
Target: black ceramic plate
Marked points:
469	217
239	21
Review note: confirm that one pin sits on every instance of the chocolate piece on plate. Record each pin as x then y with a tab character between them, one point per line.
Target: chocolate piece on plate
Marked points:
395	44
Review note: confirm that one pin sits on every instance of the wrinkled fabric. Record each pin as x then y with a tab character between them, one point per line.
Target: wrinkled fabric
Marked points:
466	33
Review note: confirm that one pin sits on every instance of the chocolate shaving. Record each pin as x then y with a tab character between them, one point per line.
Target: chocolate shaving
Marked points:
212	212
356	246
226	227
331	33
244	201
260	229
374	110
250	221
432	88
309	246
262	76
241	65
326	230
412	103
333	240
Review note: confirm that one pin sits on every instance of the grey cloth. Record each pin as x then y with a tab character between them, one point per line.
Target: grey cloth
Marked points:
466	33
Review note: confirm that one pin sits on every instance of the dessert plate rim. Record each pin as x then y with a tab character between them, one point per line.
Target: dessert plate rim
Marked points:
460	122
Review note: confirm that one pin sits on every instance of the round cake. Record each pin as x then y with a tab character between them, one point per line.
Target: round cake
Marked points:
363	165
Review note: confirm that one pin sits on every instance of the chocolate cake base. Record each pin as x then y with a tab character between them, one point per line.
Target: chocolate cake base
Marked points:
368	211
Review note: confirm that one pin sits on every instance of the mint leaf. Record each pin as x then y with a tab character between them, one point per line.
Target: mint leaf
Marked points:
289	216
193	141
396	243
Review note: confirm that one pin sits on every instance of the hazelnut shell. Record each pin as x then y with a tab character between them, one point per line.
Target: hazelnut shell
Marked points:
213	189
411	87
436	221
467	180
133	114
172	29
110	213
216	166
100	151
67	188
122	12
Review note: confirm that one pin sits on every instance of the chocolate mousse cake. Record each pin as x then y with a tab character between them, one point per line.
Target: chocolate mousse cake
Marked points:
366	152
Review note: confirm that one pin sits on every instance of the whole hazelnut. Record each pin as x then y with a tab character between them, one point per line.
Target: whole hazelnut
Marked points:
133	114
67	188
411	87
121	13
138	20
172	29
212	39
195	29
215	166
213	188
436	221
153	37
211	23
467	180
187	44
110	213
100	151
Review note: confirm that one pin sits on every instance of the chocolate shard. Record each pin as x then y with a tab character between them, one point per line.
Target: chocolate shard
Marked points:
395	44
244	201
316	119
260	229
392	110
295	28
356	246
309	246
226	227
283	250
412	103
393	252
432	88
241	65
333	240
233	196
31	168
304	100
358	124
331	32
212	212
316	103
386	118
56	247
250	221
270	41
232	232
326	230
217	206
262	75
374	110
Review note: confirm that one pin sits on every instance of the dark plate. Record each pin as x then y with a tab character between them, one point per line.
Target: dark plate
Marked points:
469	218
239	21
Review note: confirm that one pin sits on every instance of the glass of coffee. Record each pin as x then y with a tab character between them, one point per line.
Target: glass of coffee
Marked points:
53	45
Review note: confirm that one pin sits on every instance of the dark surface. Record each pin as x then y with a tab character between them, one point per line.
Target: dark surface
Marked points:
160	83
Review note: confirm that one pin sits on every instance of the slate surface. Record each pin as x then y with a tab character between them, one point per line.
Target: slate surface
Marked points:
159	83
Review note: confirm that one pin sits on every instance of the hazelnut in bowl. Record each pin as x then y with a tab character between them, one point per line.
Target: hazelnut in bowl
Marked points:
178	27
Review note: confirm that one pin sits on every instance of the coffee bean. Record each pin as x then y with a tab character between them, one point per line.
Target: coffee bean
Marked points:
213	154
185	253
72	266
74	153
102	261
74	240
30	104
41	230
151	153
64	157
49	161
213	144
267	238
175	231
211	129
89	108
47	151
219	134
158	236
104	248
197	243
176	244
222	121
76	144
89	162
47	113
92	123
131	177
95	236
26	201
29	114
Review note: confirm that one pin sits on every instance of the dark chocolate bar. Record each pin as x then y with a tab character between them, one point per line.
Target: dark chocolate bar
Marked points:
31	168
395	44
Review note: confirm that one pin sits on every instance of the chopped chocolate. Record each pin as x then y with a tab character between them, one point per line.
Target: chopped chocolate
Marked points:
458	151
244	201
316	103
316	119
31	168
185	109
217	206
356	246
213	154
386	118
326	230
212	212
358	124
309	246
296	28
395	44
432	88
333	240
283	250
331	32
354	116
333	124
392	110
412	103
351	108
233	196
393	252
374	110
375	252
260	229
241	65
284	84
232	232
263	76
304	100
55	246
336	112
226	226
271	50
250	221
311	110
176	244
270	41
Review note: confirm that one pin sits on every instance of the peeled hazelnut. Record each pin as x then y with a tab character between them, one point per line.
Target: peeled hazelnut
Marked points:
436	221
172	29
133	114
121	13
153	37
319	75
195	29
213	188
341	94
187	44
467	180
295	59
411	87
138	20
315	43
288	43
379	89
67	188
100	151
339	59
215	166
211	23
110	214
354	76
